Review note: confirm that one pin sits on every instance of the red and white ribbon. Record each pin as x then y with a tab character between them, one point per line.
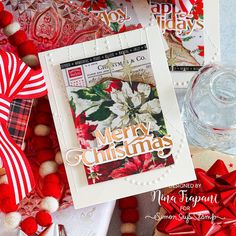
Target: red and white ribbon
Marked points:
184	5
17	80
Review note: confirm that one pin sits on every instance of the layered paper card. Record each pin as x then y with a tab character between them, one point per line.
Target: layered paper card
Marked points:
117	117
192	34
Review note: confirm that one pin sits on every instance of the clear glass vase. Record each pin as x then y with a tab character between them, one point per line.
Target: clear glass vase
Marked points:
209	111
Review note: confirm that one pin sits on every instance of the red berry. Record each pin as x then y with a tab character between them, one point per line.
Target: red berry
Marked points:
43	118
8	205
40	142
27	48
45	155
51	190
43	218
5	191
128	202
129	216
18	38
5	18
29	225
52	178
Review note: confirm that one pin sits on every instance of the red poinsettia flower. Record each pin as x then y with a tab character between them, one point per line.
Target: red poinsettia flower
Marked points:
115	84
84	130
197	9
136	165
201	51
95	5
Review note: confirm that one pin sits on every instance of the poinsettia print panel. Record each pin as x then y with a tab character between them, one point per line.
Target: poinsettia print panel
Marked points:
117	104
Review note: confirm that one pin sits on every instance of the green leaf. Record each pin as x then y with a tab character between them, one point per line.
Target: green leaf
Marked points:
87	94
102	113
115	26
72	104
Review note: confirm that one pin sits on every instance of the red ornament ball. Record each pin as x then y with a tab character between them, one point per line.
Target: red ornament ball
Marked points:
18	38
52	178
129	216
5	18
27	48
52	190
43	218
128	202
45	155
8	205
29	225
5	191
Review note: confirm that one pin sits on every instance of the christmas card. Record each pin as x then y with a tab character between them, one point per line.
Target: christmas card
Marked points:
191	30
116	116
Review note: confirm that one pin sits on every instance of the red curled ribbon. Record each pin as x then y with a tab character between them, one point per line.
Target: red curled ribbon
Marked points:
209	208
17	80
184	5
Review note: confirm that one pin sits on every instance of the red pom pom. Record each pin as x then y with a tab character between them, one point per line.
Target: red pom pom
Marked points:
1	6
5	191
61	170
129	216
29	133
127	234
52	178
43	218
29	225
43	118
18	38
8	205
27	48
51	190
5	18
128	202
43	106
45	155
40	142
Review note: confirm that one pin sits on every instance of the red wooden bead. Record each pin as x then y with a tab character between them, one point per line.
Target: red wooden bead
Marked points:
128	202
129	216
27	48
45	155
8	205
18	38
51	190
52	178
29	225
5	18
43	218
1	6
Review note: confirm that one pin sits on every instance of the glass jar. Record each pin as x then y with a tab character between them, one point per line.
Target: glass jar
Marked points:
209	112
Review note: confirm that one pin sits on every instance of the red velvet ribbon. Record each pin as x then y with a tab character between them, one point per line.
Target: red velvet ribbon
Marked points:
216	217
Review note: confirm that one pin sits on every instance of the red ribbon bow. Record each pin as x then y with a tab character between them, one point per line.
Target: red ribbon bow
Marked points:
206	217
17	80
184	5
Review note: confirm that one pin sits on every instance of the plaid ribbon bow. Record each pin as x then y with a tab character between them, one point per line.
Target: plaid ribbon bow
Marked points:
17	80
184	5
